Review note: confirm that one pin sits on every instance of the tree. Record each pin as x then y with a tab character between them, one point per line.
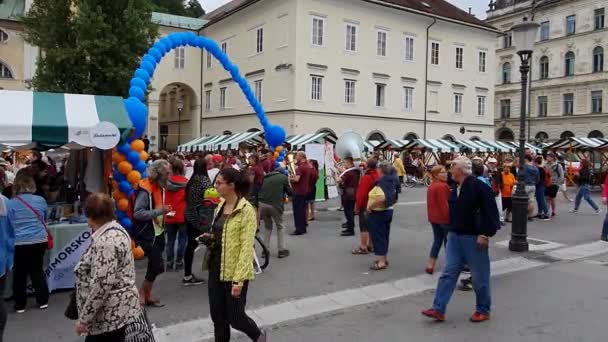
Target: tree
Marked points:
91	50
190	8
194	9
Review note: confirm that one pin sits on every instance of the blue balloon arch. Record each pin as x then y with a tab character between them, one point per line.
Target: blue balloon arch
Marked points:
138	112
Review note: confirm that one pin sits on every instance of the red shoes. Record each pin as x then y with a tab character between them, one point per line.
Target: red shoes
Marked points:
479	317
434	314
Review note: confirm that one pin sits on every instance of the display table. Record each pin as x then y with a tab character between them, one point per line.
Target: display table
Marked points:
70	242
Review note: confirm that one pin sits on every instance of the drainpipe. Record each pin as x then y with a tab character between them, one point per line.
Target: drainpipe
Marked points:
426	76
202	95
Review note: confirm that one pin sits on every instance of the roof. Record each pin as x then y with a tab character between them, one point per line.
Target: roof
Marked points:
12	9
435	8
178	21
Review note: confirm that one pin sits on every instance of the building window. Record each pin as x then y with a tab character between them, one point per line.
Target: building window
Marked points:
225	47
408	99
507	40
316	88
381	43
434	53
5	72
570	25
596	101
208	101
505	108
459	55
259	40
223	98
545	32
258	90
409	49
457	103
351	37
208	60
598	59
568	104
380	94
569	64
481	105
482	61
434	101
598	18
3	36
544	68
506	73
542	106
349	91
180	57
318	29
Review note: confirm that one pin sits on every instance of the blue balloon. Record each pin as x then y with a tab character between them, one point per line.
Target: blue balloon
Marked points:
202	42
190	38
130	193
138	114
143	74
120	215
139	83
133	157
275	135
149	67
124	148
141	167
161	46
144	174
156	54
137	93
119	177
126	223
213	48
124	186
167	42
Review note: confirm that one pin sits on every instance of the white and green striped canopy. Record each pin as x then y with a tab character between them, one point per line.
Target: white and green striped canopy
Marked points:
579	144
370	145
48	120
394	144
434	145
298	142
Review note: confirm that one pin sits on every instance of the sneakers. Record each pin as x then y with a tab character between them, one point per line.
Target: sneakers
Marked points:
546	218
434	314
192	280
599	211
20	311
479	317
44	306
466	284
283	253
574	211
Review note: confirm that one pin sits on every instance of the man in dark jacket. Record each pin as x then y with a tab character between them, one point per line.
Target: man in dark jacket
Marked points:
271	206
348	182
473	220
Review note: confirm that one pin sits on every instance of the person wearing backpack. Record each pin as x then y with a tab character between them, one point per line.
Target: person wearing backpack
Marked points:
556	179
543	180
380	209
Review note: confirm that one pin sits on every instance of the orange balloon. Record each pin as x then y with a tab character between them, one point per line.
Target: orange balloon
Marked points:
118	158
143	155
138	145
134	177
119	196
125	167
276	155
279	148
138	253
122	204
114	185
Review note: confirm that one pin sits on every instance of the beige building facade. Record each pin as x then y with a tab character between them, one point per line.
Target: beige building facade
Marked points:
569	73
340	65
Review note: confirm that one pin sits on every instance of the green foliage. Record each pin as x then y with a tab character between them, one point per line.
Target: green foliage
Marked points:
89	46
189	8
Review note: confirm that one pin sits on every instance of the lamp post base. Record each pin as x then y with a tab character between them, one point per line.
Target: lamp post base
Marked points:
519	232
518	244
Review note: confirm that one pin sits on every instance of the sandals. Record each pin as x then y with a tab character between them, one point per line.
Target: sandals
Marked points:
360	251
376	266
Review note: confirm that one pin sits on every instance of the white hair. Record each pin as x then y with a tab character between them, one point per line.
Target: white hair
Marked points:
464	164
155	169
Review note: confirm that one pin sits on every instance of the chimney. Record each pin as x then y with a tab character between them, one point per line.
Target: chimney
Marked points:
470	10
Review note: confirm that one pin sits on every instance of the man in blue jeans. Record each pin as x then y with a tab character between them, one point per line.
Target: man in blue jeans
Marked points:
474	219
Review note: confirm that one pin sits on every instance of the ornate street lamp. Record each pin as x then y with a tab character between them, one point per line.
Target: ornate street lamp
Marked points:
180	106
524	36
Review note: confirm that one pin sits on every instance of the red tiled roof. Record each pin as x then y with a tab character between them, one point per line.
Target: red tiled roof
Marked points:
439	8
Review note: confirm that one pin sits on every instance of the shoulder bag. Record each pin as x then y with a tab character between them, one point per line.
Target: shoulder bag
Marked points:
49	236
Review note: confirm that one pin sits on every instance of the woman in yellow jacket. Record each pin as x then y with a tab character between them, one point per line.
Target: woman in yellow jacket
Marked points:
230	257
398	165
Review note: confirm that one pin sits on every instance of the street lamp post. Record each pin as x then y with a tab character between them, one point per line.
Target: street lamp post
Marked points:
524	35
180	107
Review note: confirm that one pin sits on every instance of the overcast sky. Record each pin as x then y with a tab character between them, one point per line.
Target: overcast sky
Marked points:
479	7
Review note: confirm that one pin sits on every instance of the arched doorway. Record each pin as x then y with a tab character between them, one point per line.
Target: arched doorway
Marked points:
449	137
410	136
566	135
541	137
596	134
475	138
177	108
253	130
376	136
505	134
226	132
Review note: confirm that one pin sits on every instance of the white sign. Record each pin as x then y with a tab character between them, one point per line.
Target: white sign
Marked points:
105	135
60	272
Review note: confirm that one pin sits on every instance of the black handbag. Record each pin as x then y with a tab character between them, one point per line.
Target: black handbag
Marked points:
71	312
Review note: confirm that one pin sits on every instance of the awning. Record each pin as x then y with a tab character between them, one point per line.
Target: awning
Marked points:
370	145
212	144
190	145
394	144
298	142
435	145
529	146
476	146
250	138
579	144
48	120
501	146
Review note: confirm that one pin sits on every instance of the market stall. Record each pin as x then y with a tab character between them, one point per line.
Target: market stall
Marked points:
575	149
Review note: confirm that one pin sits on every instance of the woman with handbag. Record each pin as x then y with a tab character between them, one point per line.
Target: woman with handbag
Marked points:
230	257
106	296
27	213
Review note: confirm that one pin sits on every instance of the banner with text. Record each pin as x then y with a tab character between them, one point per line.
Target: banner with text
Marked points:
60	271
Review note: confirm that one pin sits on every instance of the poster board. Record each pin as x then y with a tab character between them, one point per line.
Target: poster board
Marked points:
316	152
330	171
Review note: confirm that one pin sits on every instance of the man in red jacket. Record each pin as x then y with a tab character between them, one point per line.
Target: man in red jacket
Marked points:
175	223
367	183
